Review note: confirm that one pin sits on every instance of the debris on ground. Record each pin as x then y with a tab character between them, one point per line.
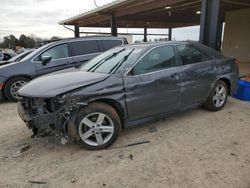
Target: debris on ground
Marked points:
73	180
121	156
25	148
233	154
131	156
133	144
37	182
152	129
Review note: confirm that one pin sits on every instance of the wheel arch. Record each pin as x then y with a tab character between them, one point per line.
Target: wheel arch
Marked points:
12	77
16	76
116	105
228	83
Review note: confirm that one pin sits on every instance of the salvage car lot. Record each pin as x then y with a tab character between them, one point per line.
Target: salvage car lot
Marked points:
197	148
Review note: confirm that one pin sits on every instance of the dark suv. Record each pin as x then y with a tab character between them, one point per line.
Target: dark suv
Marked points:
52	57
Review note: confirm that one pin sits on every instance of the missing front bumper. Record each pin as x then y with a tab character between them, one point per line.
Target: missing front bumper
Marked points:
57	122
40	121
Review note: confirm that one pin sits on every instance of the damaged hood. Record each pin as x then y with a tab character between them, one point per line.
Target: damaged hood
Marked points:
54	84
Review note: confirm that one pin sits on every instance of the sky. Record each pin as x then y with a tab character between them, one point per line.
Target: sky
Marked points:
41	17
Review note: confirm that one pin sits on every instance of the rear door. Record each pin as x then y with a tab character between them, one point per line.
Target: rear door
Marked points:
83	51
154	84
199	72
59	59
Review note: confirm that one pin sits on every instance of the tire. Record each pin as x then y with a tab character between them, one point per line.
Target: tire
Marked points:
96	135
13	85
217	97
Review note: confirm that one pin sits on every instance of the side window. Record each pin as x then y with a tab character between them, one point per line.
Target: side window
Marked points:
211	53
108	44
7	57
190	54
84	47
158	59
57	52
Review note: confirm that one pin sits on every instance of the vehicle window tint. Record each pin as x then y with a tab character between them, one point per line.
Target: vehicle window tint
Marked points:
57	52
84	47
108	44
211	53
190	54
7	57
157	59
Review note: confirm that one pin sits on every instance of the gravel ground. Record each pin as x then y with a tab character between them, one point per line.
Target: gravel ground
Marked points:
192	149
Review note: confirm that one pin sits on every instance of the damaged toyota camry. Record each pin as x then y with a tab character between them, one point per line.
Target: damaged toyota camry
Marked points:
126	86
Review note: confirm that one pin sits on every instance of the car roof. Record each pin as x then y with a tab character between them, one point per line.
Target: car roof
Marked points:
97	37
153	44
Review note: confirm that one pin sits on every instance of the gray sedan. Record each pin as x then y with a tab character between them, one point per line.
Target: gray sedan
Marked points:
126	86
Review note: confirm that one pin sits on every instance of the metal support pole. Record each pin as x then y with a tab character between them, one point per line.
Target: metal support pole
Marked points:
145	35
170	34
113	26
211	23
77	31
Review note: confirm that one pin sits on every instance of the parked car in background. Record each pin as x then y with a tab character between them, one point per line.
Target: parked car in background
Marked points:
16	58
5	56
126	86
52	57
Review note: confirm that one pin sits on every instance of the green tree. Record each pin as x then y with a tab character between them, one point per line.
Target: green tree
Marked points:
9	42
27	42
55	38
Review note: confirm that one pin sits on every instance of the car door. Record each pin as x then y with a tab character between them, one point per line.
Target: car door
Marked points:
83	51
59	59
153	86
199	72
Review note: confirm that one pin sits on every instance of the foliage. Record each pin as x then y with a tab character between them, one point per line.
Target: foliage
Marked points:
11	42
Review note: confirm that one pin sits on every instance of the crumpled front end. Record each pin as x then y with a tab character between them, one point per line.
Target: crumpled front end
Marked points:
48	116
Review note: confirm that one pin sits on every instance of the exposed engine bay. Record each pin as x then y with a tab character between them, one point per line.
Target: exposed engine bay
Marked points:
48	116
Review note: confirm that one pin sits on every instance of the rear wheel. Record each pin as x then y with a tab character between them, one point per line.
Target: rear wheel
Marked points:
218	97
12	87
98	126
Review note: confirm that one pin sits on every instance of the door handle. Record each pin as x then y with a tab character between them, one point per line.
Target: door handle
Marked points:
175	76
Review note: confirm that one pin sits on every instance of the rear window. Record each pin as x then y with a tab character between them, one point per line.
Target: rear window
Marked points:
213	54
190	54
84	47
108	44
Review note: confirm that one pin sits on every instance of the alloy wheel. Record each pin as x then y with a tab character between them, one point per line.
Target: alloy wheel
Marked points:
219	96
15	86
96	129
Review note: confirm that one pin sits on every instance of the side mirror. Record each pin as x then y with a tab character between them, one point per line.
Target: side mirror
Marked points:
45	60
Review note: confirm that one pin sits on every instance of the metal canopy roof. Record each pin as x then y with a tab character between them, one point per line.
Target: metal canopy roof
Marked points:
149	13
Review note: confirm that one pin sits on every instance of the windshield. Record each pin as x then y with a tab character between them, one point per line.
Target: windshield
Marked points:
20	56
112	60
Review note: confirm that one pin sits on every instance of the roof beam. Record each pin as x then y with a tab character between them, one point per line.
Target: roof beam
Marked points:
237	3
145	7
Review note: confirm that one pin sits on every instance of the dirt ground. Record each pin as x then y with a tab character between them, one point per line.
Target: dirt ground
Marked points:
192	149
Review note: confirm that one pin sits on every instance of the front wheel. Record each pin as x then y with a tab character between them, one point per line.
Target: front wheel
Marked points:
12	87
218	97
98	126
